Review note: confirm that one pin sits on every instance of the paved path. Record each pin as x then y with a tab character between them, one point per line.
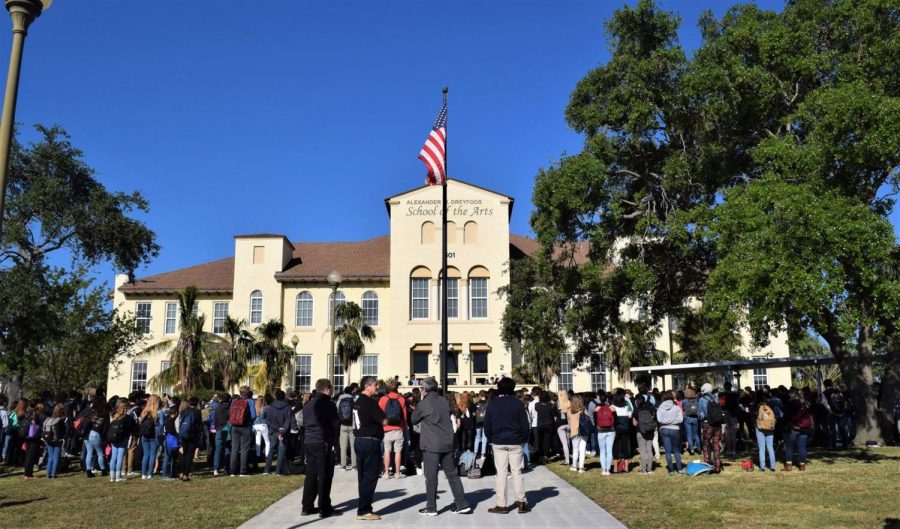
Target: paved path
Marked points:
555	503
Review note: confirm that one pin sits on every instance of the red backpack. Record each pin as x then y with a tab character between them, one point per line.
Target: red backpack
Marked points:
604	417
239	413
803	419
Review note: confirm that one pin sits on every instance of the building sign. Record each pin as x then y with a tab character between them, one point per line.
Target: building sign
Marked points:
468	208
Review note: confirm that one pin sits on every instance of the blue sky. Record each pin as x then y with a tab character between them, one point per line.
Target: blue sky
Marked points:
299	117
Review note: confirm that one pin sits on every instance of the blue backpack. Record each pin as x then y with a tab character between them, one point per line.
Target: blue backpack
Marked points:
585	426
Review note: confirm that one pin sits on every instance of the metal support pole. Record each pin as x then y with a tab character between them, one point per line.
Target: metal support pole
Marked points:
333	325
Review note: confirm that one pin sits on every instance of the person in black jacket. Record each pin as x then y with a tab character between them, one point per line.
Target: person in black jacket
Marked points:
320	419
278	420
506	426
93	443
222	450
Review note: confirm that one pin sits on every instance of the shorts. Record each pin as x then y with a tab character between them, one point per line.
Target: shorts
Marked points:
393	441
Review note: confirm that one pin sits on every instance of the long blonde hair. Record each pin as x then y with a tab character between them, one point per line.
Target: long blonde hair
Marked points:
260	404
563	400
577	405
152	407
120	409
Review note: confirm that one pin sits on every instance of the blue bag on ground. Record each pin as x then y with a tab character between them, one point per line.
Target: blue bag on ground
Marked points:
695	468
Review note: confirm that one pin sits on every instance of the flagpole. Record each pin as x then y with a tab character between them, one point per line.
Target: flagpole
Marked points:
444	260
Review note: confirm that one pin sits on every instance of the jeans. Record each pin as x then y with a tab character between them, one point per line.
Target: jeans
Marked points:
345	441
445	461
606	440
93	445
221	449
765	441
482	439
368	465
4	443
53	453
692	432
527	452
117	457
795	438
645	447
508	458
278	445
241	439
149	447
579	446
672	443
838	430
168	462
563	433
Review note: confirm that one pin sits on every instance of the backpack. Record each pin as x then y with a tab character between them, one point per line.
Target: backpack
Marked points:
394	412
13	423
714	414
585	427
765	418
480	410
239	413
190	426
34	431
83	423
691	407
147	429
50	431
838	403
803	419
116	431
647	420
345	411
604	417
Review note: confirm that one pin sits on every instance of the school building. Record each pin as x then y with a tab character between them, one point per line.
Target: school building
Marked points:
395	279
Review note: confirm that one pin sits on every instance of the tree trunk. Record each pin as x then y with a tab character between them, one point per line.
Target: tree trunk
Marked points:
860	380
890	384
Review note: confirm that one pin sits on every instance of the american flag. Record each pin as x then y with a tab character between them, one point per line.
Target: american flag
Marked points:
433	153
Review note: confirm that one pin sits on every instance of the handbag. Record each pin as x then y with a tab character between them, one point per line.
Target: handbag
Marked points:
172	442
474	472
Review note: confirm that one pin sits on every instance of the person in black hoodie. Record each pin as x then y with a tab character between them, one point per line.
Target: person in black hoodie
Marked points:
506	426
222	450
320	419
93	443
31	428
278	419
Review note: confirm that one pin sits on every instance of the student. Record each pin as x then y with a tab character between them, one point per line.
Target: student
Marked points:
436	439
4	426
345	415
480	439
54	434
241	416
562	424
147	431
222	451
506	426
765	430
117	437
320	419
800	428
261	427
579	446
605	420
691	420
368	421
93	442
394	408
670	417
545	414
644	419
622	446
466	421
278	420
711	417
30	429
171	445
189	434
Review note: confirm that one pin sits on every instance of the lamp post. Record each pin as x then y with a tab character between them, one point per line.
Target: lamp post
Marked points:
294	341
22	13
334	279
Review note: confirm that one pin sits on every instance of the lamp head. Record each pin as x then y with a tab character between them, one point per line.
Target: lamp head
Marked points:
334	278
34	7
295	340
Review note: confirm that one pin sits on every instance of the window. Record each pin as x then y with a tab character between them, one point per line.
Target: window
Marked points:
453	362
303	376
171	317
420	362
165	364
142	318
565	371
138	376
480	362
760	378
341	300
427	232
598	373
339	376
370	308
304	309
679	381
370	366
259	254
452	298
220	312
478	297
195	309
419	303
256	307
470	233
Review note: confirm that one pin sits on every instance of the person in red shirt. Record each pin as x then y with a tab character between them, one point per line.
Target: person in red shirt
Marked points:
394	407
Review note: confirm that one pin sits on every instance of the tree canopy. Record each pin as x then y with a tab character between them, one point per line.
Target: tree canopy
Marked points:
753	176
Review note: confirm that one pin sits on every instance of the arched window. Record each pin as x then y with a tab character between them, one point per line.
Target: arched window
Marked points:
427	232
419	287
370	308
341	300
478	292
453	276
451	232
470	232
304	309
256	307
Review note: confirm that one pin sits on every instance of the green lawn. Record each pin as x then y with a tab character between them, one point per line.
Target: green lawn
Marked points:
858	488
74	501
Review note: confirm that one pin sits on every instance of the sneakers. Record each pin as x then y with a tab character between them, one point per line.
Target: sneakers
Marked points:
464	510
309	512
427	512
605	472
581	471
371	517
498	510
523	507
215	472
573	469
329	513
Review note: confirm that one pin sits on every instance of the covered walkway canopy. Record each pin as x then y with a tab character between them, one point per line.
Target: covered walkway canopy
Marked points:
734	366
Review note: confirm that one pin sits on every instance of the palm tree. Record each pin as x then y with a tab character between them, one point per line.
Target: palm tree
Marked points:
275	355
230	357
186	360
351	333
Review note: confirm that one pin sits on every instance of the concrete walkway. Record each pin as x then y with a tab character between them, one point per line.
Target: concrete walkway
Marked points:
554	504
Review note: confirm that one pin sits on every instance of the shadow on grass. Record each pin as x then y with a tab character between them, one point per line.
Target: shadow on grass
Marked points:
892	523
858	455
14	503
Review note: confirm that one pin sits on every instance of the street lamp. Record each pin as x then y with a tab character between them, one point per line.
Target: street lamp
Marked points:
22	13
294	341
334	279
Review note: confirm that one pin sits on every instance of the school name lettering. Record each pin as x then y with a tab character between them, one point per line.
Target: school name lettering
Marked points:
457	208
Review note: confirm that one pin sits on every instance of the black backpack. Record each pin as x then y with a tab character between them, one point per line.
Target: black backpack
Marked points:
691	407
345	411
838	403
647	420
393	412
480	410
147	428
116	431
714	414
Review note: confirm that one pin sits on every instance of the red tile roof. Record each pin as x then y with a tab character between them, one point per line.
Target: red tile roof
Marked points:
521	246
215	276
